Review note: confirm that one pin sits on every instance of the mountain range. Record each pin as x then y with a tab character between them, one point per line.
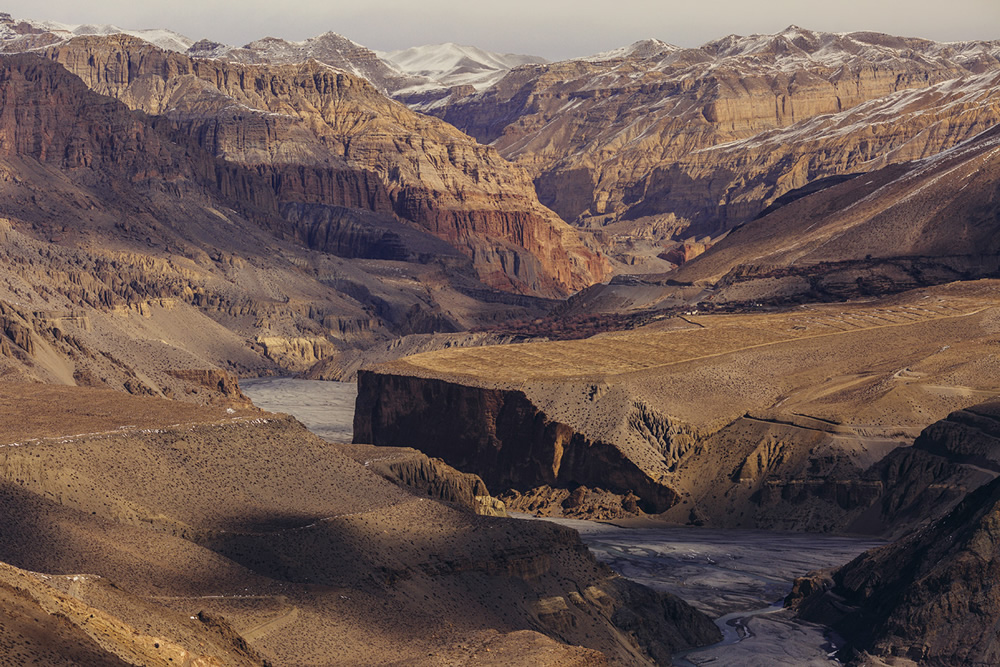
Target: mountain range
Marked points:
787	244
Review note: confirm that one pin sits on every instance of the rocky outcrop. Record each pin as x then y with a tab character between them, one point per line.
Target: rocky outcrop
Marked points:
710	136
499	435
323	136
437	479
927	599
214	379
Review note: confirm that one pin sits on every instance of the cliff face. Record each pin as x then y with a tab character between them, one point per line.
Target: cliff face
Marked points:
903	226
130	252
796	420
499	435
928	599
323	136
705	138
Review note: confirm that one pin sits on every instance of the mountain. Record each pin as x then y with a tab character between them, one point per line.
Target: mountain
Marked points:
329	48
923	222
420	73
134	259
653	144
324	137
20	35
451	66
644	48
926	221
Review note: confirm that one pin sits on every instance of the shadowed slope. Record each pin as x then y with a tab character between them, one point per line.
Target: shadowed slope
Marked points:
323	136
307	554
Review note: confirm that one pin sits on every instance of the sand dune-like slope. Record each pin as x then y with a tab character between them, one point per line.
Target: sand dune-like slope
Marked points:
247	525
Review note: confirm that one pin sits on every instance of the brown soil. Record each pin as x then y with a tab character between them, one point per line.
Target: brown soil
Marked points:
40	412
230	535
761	419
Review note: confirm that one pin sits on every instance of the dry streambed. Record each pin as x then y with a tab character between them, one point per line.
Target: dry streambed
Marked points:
325	408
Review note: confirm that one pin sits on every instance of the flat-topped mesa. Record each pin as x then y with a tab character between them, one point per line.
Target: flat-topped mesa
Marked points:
323	136
771	420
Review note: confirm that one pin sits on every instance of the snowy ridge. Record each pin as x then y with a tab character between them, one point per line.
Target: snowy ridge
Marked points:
164	39
796	47
329	48
644	49
943	100
447	65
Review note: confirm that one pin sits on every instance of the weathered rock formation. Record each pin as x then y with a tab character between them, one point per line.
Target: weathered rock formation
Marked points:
129	252
431	477
791	420
926	222
499	435
928	598
322	136
703	139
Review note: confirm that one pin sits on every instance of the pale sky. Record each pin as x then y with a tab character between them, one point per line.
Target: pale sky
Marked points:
553	29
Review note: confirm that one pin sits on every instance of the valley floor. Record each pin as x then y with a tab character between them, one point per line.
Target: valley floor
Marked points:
738	577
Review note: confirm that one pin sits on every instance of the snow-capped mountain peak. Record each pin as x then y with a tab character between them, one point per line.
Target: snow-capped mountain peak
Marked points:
645	48
449	64
53	31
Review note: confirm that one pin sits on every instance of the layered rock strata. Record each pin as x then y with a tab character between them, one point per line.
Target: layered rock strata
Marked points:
927	598
322	136
130	252
703	139
499	435
927	222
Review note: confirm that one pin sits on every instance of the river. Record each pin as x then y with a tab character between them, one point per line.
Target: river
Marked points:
737	577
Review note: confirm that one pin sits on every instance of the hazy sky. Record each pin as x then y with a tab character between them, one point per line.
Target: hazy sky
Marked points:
549	28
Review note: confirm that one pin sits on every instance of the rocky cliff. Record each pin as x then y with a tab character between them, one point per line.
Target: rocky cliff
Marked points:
499	435
323	136
928	221
129	251
799	420
703	139
926	599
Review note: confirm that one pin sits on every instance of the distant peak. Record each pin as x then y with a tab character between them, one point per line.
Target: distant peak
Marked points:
644	48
